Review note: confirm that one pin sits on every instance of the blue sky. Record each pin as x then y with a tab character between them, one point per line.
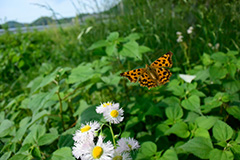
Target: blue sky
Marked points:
26	11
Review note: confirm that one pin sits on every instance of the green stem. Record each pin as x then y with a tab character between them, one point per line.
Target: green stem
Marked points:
60	108
114	141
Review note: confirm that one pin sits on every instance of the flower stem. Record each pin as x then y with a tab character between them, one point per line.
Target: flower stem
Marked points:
114	141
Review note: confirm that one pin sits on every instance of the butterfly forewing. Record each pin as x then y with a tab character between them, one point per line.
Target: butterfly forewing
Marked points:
163	75
133	75
164	61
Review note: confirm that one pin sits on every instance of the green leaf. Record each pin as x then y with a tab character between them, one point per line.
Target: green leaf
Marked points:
98	44
21	157
148	148
36	152
47	138
131	49
170	154
232	86
202	75
206	59
222	131
234	111
62	154
236	150
83	106
192	103
201	132
22	129
6	127
131	123
80	74
215	74
160	130
144	49
110	49
220	57
132	37
199	146
174	112
65	141
180	129
113	36
232	68
5	156
217	154
206	122
38	116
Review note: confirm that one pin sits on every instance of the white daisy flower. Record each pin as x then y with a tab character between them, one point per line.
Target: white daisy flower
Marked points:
127	145
121	156
180	39
187	78
104	106
114	115
100	151
87	130
178	33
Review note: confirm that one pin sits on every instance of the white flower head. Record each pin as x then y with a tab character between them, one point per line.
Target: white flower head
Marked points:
180	39
190	29
179	33
127	145
105	106
114	115
99	151
187	78
121	156
87	130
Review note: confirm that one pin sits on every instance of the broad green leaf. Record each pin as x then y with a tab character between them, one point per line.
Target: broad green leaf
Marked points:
160	130
234	111
232	68
144	49
98	44
199	146
113	36
133	37
174	112
6	127
236	151
22	129
180	129
232	86
202	75
131	49
220	57
80	74
148	148
47	138
217	154
62	154
38	116
215	74
170	154
83	106
131	122
5	156
65	141
34	84
201	132
222	131
21	157
192	103
206	122
89	114
110	49
36	152
206	59
36	132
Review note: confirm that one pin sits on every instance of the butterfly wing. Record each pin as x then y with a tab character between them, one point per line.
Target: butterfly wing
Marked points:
146	81
163	75
164	61
133	75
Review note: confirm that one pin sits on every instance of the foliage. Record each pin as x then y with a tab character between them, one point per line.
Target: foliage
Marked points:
52	81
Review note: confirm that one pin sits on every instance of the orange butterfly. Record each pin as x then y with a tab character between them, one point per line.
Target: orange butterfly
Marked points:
153	75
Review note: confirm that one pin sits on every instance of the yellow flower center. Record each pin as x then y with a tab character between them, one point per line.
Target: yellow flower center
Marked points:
114	113
117	158
106	104
97	152
130	146
85	128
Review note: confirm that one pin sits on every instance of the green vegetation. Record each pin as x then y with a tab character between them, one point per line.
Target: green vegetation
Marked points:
52	81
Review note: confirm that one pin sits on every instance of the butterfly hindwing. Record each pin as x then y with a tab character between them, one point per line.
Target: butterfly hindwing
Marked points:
133	75
164	61
146	81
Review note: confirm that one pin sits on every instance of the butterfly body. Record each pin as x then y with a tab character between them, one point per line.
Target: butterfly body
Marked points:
152	75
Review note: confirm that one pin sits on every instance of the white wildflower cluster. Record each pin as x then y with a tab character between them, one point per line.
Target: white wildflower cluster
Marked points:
214	47
180	37
89	146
